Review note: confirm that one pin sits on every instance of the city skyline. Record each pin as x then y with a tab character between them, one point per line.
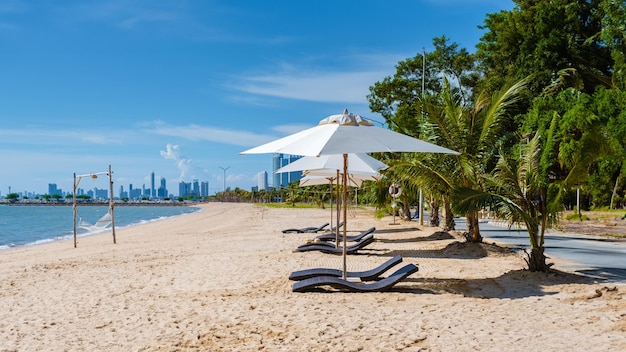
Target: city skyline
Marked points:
261	179
54	188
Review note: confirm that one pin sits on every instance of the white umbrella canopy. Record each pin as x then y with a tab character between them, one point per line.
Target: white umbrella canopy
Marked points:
312	180
343	134
328	176
358	163
326	168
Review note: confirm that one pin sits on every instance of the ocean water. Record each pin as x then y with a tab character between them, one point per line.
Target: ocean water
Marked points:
27	225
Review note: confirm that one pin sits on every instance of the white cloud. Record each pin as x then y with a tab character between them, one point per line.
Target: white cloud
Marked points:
344	87
184	165
211	134
53	137
348	80
290	129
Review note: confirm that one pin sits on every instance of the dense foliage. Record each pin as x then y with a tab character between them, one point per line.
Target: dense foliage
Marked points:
538	112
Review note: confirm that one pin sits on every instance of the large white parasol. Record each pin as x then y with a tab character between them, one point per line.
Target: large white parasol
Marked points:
358	163
343	134
361	167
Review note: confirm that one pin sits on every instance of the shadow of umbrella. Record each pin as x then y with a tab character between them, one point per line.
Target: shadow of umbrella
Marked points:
344	134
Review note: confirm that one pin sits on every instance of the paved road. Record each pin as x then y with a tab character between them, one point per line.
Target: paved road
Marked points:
604	258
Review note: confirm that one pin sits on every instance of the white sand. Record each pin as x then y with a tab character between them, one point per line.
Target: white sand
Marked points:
217	281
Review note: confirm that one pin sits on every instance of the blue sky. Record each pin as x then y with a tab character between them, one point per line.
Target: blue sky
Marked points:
181	87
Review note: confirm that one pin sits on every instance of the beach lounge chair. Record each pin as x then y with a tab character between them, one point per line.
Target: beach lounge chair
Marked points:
369	275
306	229
341	224
339	283
354	238
330	248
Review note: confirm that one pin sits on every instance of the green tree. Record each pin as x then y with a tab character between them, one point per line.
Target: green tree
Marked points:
581	118
542	38
293	193
613	36
397	98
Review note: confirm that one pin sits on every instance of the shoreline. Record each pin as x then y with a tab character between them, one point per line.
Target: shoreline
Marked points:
216	280
69	237
102	204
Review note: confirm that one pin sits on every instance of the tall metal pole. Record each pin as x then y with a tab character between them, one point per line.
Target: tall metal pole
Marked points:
224	181
74	208
421	197
344	179
112	205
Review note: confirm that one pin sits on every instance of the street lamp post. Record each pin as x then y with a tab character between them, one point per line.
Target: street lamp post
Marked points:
224	181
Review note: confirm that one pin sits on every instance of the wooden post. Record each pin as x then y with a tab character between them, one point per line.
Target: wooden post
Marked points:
338	214
344	179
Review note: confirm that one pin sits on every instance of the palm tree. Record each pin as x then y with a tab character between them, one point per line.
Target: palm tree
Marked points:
519	192
473	130
525	189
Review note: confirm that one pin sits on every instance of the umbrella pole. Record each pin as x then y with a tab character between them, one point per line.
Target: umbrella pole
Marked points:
345	214
330	192
338	214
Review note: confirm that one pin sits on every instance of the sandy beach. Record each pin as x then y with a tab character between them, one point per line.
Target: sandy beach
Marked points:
217	280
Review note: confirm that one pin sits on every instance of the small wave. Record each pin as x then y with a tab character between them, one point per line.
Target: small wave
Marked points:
4	247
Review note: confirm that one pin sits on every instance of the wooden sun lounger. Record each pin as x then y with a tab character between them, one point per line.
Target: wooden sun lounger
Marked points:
306	229
353	238
330	248
369	275
339	283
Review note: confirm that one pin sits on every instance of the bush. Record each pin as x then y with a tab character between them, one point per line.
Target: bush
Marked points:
575	216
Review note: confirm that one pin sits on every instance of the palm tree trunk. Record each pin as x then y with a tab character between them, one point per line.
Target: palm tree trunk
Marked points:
472	227
537	260
449	221
615	188
406	208
434	212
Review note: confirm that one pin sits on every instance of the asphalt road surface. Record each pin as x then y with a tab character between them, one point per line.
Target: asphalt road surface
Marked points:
604	258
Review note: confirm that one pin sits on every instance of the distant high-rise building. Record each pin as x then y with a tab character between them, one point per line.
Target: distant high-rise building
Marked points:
101	193
162	191
283	179
152	189
204	189
196	187
134	193
53	190
122	193
262	180
184	189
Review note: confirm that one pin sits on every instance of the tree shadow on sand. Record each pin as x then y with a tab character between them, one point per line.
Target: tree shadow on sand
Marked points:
510	285
398	230
514	284
456	250
437	236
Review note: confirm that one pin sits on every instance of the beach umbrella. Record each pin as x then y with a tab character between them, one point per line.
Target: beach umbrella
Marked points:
358	163
314	180
343	134
361	167
326	177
